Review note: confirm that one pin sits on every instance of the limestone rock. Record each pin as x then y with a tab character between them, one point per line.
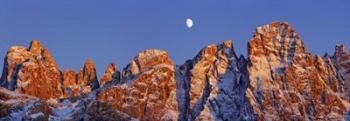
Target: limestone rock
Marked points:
341	60
213	83
149	89
89	76
108	75
81	83
280	80
70	83
286	82
32	71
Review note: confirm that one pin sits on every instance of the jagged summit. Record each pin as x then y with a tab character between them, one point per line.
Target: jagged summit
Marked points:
276	41
205	82
152	57
35	47
150	93
279	80
340	50
31	71
146	60
287	82
210	50
89	74
108	75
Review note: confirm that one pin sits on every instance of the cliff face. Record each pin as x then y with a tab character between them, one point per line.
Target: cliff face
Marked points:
286	82
341	68
76	84
108	75
279	80
212	85
31	71
147	90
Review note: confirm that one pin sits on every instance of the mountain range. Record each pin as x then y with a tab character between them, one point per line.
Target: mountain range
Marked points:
279	80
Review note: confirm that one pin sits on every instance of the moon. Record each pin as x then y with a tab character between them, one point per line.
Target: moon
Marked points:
189	22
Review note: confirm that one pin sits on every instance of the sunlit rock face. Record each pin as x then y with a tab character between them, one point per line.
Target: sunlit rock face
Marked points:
82	83
108	75
286	82
70	84
87	77
32	71
147	90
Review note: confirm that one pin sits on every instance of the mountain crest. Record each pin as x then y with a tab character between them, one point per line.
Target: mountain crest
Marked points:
148	87
147	60
279	80
26	70
284	75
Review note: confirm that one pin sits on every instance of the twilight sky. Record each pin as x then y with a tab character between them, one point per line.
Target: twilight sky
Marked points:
116	30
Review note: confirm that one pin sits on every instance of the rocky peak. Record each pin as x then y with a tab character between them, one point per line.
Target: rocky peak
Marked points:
280	80
340	53
81	83
87	77
341	56
340	49
213	50
31	71
89	65
151	58
285	79
35	47
341	60
150	89
277	43
108	75
273	48
206	80
208	64
147	60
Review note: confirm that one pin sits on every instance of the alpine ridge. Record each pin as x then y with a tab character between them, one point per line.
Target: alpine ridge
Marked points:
279	80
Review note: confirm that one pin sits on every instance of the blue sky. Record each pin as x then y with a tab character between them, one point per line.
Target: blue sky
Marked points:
116	30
